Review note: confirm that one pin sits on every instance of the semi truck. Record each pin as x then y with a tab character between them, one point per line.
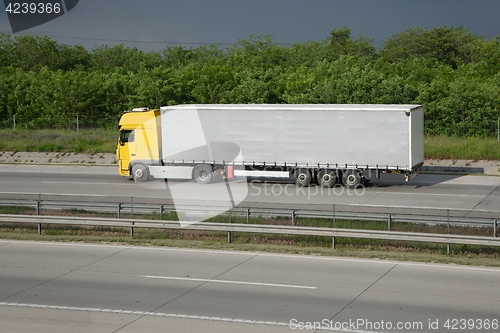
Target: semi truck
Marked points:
326	144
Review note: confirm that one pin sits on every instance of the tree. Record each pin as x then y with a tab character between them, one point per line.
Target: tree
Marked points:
258	85
258	52
32	53
340	43
213	84
108	59
450	46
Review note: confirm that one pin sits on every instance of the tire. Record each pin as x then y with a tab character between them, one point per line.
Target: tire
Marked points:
327	178
303	177
140	173
203	174
352	178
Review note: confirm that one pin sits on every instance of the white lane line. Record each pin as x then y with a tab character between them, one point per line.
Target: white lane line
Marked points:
450	266
61	172
56	194
432	194
423	207
228	282
145	313
77	183
84	183
426	207
178	316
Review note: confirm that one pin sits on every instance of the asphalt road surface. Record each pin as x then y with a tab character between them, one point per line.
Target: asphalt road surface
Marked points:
471	195
57	287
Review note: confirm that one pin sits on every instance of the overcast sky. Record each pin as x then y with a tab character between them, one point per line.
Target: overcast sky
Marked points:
153	24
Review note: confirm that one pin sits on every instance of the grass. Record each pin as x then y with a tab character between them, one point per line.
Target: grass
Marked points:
104	141
441	147
311	245
86	141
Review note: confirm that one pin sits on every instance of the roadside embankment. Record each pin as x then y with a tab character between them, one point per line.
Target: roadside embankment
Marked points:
430	166
462	167
57	158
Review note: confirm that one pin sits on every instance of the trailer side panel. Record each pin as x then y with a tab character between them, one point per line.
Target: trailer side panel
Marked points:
373	136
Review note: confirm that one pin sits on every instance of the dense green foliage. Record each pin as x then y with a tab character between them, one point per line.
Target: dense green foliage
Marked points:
453	72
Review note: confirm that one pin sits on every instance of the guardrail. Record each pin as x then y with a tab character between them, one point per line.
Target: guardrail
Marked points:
254	228
131	208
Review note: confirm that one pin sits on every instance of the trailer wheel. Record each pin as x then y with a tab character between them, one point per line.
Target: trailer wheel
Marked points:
140	173
352	178
327	178
203	174
303	177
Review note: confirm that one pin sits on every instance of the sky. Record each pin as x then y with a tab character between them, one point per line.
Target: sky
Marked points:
152	25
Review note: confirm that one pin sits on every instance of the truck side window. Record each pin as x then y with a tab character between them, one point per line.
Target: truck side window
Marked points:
127	136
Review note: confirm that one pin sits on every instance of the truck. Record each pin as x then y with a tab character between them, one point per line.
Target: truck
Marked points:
325	144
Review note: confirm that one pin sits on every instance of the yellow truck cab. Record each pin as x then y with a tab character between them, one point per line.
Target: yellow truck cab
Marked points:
138	142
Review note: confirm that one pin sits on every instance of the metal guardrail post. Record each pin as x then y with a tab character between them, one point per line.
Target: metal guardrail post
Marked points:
448	218
161	212
389	219
495	226
333	242
248	215
132	231
229	233
334	221
132	206
293	217
119	209
38	208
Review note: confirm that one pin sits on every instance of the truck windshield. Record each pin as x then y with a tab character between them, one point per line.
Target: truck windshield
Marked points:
126	136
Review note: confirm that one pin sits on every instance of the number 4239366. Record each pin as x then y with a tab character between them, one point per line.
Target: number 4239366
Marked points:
33	8
471	324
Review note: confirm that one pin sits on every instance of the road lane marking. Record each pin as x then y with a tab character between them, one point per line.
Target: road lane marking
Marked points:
177	316
425	207
228	282
60	172
60	194
84	183
432	194
144	313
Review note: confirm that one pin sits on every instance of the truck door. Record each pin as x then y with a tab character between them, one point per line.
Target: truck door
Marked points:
126	149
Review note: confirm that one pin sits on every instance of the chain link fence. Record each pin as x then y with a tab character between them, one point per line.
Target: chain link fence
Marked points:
60	123
490	128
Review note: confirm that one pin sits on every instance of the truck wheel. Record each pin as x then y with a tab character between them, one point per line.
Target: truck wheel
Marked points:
352	178
203	174
327	178
140	173
303	177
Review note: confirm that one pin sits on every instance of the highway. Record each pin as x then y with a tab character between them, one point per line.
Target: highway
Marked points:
58	287
472	195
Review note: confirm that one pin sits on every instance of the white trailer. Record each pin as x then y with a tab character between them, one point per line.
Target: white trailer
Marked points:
323	143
